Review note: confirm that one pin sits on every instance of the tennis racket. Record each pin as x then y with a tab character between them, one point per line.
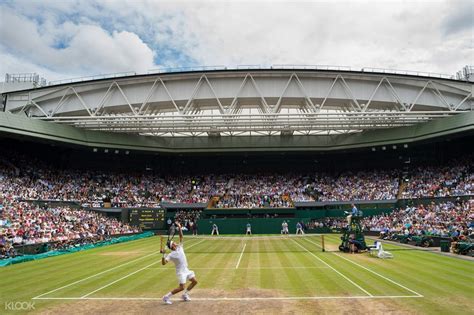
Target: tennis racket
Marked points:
171	233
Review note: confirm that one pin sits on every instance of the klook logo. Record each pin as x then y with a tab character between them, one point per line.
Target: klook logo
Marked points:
19	306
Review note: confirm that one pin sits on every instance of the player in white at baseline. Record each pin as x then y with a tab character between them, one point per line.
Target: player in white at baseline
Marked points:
178	257
284	228
215	230
249	229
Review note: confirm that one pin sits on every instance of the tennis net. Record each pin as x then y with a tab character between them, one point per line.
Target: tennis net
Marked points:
254	244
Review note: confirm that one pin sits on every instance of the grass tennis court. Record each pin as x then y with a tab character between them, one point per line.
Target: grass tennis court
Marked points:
258	274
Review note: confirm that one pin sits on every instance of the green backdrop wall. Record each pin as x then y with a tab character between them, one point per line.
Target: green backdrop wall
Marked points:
272	225
238	226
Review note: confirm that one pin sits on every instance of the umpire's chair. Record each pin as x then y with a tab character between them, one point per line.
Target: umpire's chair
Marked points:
353	229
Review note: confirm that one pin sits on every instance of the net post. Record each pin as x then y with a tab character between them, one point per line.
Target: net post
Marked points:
322	243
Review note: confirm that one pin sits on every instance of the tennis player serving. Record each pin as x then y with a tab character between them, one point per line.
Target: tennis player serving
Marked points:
178	257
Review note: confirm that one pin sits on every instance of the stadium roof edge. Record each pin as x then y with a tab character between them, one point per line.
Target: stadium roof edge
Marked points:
15	125
138	76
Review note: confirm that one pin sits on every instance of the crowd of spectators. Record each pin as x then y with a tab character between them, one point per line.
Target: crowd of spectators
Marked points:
96	189
37	180
328	222
249	200
363	185
257	191
451	180
446	219
188	219
23	223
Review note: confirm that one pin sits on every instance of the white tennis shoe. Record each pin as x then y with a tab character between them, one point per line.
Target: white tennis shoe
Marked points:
167	300
186	297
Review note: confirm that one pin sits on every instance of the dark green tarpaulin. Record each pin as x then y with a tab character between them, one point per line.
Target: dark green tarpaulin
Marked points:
20	259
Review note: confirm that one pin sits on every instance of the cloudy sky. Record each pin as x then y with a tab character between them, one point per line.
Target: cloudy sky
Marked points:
71	38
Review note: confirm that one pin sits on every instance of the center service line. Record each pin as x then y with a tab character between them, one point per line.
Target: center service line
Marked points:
241	254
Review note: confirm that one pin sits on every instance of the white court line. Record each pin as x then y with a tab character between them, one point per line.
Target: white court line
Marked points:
257	268
95	275
365	297
375	273
130	274
241	254
358	286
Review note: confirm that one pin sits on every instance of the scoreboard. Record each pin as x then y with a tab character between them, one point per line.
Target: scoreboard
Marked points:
148	219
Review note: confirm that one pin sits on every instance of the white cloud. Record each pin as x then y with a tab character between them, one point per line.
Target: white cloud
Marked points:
88	50
92	48
397	35
460	18
14	64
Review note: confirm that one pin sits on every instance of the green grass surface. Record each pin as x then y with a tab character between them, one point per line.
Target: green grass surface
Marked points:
269	271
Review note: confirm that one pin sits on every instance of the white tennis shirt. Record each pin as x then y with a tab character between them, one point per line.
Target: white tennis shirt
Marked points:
178	258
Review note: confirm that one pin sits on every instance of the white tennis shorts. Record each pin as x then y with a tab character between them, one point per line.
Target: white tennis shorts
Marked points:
185	276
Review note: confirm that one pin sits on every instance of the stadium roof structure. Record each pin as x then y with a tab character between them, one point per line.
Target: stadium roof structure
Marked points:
218	101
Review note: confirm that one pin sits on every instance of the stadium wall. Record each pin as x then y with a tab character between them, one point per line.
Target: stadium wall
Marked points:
15	125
